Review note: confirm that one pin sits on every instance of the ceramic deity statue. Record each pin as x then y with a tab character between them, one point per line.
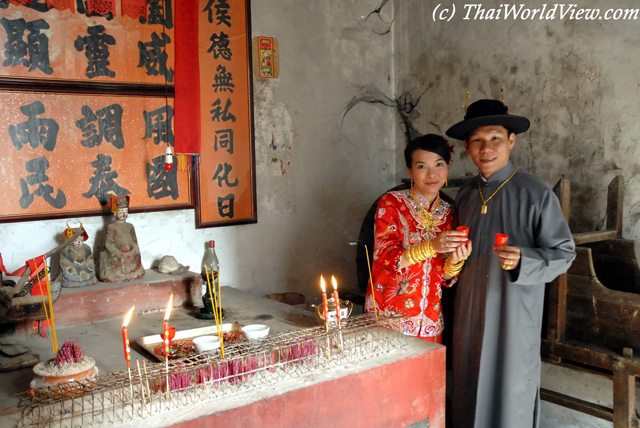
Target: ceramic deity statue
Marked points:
76	261
120	259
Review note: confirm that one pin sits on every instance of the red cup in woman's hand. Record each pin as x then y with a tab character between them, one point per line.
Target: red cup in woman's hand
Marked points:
501	239
464	229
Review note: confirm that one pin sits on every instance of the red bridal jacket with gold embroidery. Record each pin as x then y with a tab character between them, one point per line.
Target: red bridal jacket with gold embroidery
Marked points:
415	291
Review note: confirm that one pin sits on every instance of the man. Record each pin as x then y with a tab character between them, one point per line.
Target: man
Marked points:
498	304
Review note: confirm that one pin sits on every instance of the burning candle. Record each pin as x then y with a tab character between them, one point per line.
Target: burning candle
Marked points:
325	306
125	336
337	299
166	342
166	326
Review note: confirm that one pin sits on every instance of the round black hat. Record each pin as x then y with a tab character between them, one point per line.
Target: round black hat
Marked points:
487	113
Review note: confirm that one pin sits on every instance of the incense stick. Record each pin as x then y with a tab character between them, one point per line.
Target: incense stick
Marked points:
44	305
218	317
146	378
373	293
53	321
144	402
219	297
214	309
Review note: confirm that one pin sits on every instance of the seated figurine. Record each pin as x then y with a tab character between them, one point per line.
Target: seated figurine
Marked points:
120	259
76	261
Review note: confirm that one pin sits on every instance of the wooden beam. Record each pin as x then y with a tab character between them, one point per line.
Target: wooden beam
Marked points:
615	198
600	235
577	404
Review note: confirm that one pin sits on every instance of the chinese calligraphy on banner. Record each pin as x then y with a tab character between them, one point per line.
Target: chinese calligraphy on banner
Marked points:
66	154
226	181
86	109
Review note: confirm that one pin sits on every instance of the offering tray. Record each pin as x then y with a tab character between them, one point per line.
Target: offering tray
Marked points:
151	342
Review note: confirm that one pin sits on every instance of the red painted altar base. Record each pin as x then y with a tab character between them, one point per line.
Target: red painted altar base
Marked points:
105	301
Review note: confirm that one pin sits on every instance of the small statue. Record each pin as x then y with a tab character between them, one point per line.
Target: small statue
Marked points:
76	261
120	259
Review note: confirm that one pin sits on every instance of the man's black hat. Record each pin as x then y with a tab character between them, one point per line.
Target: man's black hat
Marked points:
487	113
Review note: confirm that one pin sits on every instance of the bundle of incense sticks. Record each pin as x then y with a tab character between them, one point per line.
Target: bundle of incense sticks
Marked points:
216	299
47	313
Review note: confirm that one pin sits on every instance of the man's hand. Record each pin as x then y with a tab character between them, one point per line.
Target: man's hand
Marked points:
509	256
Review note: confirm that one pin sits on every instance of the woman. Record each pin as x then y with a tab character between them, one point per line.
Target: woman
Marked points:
412	233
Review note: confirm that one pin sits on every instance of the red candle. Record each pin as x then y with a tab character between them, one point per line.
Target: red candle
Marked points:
125	337
325	305
165	326
336	298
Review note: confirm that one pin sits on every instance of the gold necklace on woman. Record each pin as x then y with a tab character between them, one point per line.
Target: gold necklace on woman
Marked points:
484	203
425	216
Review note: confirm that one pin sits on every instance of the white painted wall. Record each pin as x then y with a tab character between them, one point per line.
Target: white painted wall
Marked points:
308	214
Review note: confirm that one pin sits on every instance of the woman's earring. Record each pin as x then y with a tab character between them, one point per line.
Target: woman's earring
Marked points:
446	182
412	184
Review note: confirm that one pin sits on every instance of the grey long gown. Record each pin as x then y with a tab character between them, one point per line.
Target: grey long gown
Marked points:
498	314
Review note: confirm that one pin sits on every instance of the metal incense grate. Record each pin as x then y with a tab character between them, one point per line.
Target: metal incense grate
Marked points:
114	398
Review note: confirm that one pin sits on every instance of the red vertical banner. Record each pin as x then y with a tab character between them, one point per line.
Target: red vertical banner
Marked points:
226	180
187	78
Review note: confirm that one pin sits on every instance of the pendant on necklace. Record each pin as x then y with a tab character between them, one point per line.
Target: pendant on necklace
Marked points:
484	209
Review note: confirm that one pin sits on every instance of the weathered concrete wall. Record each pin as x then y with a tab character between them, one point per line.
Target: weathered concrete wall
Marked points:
316	174
575	79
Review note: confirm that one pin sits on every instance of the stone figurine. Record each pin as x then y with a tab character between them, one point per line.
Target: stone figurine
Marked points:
76	261
120	259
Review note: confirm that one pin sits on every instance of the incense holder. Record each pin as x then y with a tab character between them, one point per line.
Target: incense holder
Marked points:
345	311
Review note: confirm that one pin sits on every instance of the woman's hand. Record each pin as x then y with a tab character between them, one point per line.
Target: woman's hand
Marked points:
448	241
461	253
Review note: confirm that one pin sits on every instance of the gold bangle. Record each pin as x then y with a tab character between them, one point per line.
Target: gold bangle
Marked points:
428	248
452	269
418	256
407	256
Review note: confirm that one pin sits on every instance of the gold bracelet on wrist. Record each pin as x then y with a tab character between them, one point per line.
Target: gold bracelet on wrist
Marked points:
452	269
430	250
407	256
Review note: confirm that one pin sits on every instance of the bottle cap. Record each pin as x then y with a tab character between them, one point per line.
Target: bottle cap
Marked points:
212	244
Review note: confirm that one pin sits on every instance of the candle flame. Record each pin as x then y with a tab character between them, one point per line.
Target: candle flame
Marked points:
168	312
334	282
323	285
128	317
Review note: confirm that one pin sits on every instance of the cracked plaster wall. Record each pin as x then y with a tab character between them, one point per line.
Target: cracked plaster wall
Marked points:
317	172
576	81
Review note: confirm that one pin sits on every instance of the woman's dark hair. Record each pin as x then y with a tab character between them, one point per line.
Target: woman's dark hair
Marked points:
431	143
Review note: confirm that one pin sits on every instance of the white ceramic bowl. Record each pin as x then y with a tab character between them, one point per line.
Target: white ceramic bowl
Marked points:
206	343
255	331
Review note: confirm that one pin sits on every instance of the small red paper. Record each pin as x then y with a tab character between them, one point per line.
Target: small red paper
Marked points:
62	5
134	8
19	2
101	7
36	277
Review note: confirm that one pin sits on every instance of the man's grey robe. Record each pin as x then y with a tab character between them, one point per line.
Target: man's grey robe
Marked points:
498	314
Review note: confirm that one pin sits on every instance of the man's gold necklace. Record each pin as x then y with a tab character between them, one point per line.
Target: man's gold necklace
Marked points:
425	216
484	203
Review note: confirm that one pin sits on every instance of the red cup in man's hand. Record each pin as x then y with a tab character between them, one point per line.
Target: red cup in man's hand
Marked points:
501	239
